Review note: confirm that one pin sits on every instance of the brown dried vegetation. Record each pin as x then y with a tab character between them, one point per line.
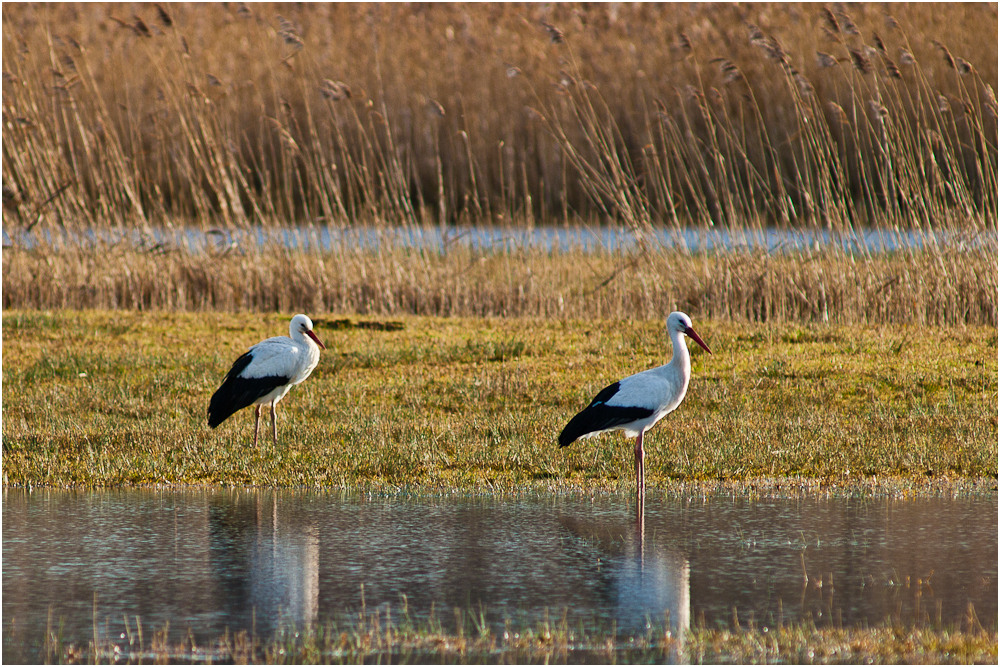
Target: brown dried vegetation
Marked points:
209	116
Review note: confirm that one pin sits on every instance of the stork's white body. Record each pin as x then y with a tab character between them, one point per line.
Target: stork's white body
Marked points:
282	357
265	373
635	403
659	390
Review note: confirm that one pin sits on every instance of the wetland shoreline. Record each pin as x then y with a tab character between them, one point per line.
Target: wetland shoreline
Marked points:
471	406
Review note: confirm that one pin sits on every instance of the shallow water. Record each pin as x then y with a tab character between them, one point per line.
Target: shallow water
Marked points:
207	560
549	238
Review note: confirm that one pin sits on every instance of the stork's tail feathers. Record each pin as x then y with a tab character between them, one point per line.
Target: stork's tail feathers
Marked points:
578	426
220	409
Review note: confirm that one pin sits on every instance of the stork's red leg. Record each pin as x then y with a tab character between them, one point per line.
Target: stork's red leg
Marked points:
274	424
256	424
640	471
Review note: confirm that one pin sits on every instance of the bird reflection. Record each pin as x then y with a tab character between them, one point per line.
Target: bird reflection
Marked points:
266	562
640	516
644	580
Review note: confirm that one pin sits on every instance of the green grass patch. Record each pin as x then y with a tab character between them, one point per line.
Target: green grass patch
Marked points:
98	398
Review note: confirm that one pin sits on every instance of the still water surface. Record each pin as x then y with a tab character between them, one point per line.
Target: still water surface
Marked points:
542	237
208	560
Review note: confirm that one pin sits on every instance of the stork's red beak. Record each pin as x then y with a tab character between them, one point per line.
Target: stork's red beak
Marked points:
320	343
696	338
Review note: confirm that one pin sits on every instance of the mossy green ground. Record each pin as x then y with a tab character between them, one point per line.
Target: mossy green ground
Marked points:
119	398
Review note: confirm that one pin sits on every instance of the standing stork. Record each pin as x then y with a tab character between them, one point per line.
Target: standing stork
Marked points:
265	373
636	403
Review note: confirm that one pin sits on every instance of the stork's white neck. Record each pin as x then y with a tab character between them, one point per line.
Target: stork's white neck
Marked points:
304	341
681	358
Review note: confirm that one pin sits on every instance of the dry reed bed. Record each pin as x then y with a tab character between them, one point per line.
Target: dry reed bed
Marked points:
755	114
935	287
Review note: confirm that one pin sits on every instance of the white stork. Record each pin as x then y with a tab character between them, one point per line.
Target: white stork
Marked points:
265	374
636	403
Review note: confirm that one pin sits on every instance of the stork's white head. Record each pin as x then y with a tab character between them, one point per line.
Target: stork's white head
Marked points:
302	326
680	322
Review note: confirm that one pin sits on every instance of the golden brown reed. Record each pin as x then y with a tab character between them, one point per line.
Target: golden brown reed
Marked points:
739	116
683	114
936	287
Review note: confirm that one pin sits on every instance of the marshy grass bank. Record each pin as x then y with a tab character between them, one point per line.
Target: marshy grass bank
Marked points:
98	398
381	638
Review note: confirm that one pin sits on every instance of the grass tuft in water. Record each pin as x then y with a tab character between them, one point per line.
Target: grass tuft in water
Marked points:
393	636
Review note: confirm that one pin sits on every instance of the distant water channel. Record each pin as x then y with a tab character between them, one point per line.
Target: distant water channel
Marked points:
548	238
207	560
